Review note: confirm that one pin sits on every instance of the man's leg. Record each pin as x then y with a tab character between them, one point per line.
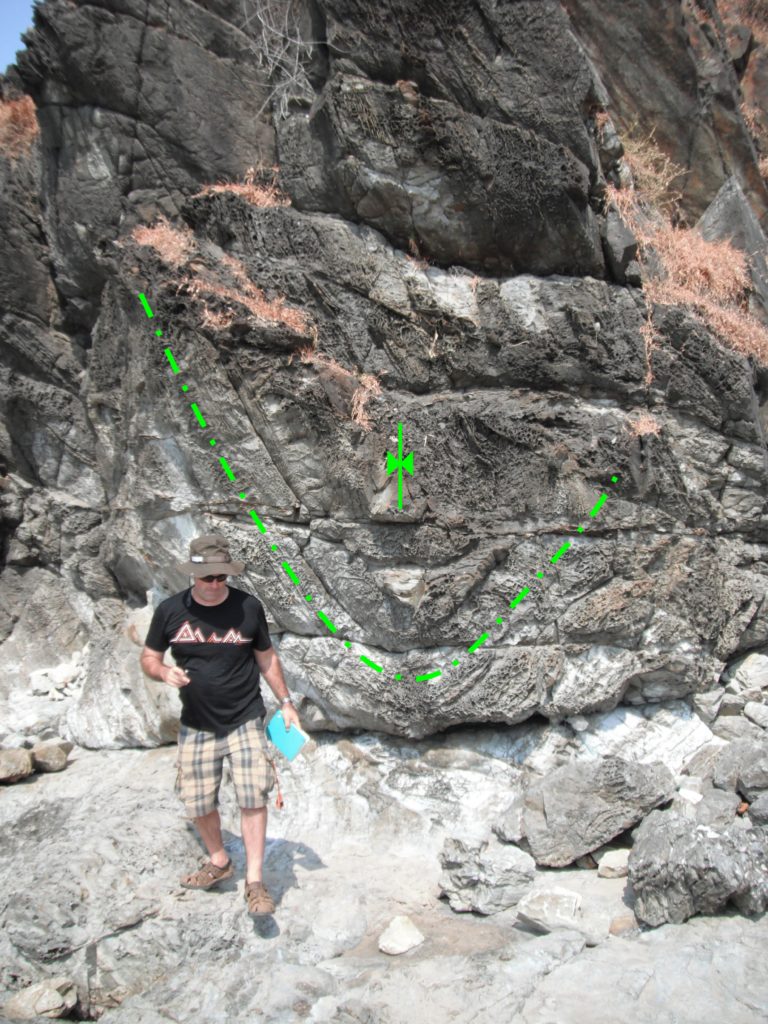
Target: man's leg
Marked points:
209	827
253	821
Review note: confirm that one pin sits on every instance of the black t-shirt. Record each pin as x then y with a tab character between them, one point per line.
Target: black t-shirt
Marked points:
214	645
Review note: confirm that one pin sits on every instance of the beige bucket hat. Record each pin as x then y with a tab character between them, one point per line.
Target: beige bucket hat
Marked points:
209	556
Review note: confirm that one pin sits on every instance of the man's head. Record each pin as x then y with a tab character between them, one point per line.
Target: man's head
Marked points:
210	563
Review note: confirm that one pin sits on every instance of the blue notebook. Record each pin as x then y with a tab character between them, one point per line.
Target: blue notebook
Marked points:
289	742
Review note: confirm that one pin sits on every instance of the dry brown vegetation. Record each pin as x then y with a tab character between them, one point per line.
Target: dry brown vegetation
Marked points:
18	127
365	385
255	188
644	424
753	13
174	246
710	279
205	285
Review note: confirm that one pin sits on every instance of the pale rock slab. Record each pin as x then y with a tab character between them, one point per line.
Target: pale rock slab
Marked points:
400	935
550	908
668	732
613	864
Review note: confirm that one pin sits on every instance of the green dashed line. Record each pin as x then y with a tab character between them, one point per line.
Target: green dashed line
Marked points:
225	467
324	618
254	516
198	414
561	552
370	664
289	572
476	644
596	507
171	360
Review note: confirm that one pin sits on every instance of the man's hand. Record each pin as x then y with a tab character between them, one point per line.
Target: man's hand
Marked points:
290	716
175	676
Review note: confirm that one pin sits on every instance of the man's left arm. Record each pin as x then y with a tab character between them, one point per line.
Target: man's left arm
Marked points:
272	670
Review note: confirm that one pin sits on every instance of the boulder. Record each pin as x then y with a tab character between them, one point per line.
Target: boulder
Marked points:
49	757
582	806
15	764
758	811
677	870
400	935
743	766
485	877
53	998
757	712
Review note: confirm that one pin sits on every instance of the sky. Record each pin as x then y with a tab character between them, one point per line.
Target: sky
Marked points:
16	17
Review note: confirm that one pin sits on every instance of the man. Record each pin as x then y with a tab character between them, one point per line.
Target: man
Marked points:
219	640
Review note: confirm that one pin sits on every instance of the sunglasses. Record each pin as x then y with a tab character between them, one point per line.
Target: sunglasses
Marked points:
212	579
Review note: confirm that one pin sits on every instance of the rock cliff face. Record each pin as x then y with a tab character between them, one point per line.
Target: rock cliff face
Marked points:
445	236
424	238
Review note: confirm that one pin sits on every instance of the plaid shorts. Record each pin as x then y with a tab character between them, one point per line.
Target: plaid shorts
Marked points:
200	759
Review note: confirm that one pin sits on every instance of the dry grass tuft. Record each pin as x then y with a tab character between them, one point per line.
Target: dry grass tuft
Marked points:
644	424
710	279
174	246
366	386
205	285
752	13
255	192
18	126
654	175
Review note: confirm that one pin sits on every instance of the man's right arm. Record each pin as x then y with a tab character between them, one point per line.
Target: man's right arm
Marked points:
152	666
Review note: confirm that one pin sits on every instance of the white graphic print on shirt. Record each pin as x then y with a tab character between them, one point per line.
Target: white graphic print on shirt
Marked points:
187	635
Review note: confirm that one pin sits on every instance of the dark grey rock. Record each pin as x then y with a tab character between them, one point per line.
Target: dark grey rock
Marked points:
730	217
580	807
677	870
486	877
743	766
620	247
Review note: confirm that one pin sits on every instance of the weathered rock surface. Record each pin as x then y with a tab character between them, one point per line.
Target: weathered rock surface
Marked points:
579	807
486	878
442	230
519	391
677	870
743	766
52	998
350	842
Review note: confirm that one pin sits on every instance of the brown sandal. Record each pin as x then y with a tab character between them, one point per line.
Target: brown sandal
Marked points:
209	874
258	899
